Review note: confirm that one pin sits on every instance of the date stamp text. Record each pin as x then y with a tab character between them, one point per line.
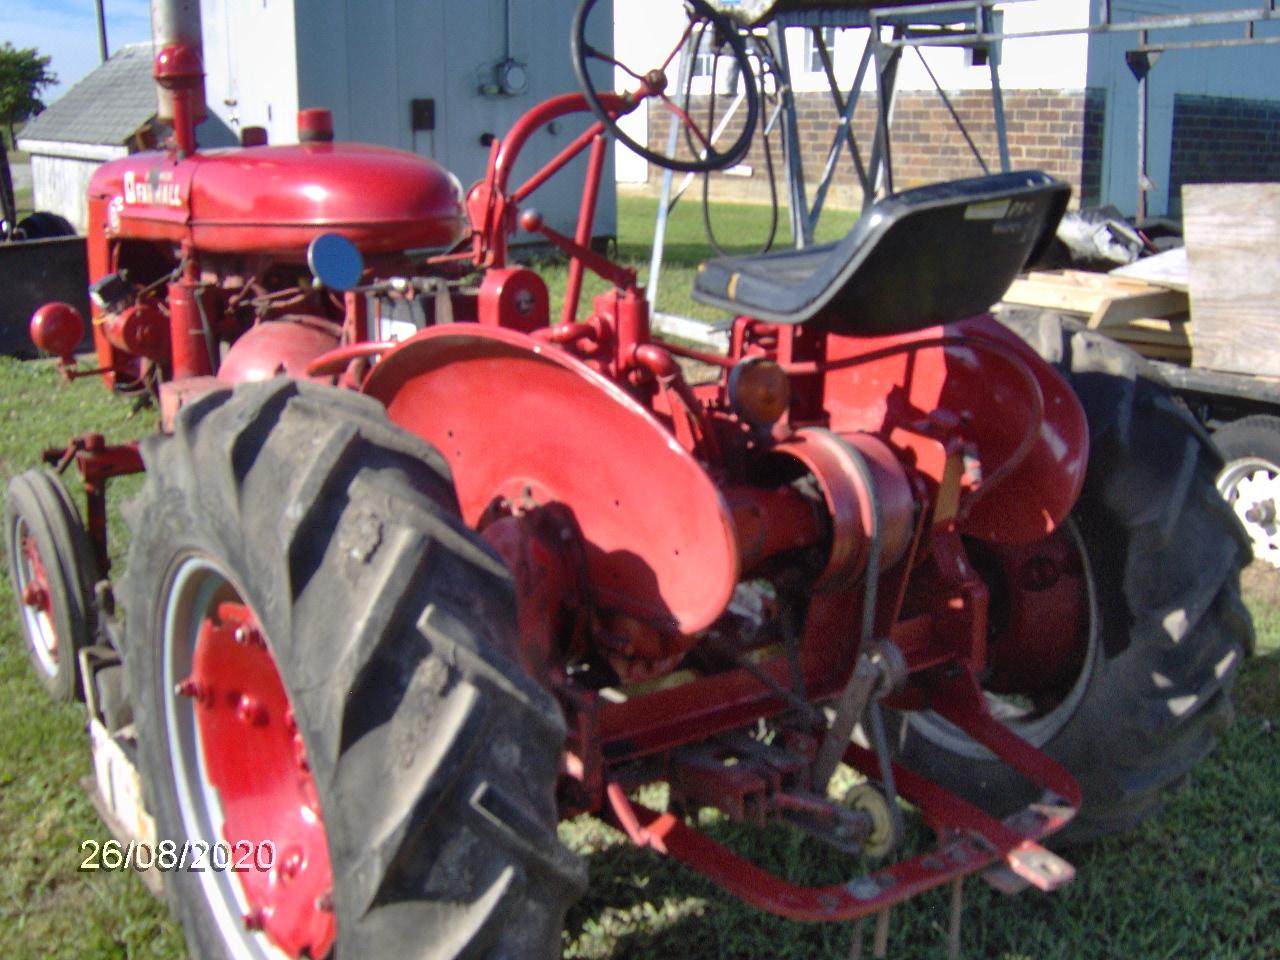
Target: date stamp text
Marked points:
168	856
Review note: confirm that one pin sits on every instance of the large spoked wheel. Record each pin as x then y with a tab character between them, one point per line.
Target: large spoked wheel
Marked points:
1250	480
654	83
1113	642
52	570
336	739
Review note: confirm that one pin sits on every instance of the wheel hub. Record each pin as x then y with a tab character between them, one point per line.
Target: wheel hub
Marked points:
1043	636
1252	487
36	596
254	759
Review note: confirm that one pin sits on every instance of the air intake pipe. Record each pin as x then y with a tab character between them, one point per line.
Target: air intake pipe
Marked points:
179	68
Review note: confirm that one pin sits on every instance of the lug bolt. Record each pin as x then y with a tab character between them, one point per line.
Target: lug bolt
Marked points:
189	688
291	865
34	595
1039	573
254	920
324	902
248	635
251	711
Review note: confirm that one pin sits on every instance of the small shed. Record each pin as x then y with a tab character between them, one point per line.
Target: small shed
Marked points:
108	114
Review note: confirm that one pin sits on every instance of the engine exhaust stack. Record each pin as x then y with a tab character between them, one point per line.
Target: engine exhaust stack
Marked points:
179	68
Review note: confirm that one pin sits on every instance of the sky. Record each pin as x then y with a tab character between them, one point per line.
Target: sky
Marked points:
67	30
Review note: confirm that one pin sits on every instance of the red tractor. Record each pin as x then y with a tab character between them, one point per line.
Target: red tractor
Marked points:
395	606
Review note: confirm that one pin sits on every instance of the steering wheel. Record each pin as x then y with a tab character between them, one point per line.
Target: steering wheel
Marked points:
654	83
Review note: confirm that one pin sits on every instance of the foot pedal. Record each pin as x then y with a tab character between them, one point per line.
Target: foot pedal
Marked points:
1041	868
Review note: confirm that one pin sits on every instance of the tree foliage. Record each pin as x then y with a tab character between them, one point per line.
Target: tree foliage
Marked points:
23	76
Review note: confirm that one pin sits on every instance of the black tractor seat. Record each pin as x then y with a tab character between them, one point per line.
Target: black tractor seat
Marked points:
915	259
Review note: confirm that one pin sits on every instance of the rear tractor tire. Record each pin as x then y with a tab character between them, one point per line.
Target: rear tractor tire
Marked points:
53	572
321	661
1157	626
1250	480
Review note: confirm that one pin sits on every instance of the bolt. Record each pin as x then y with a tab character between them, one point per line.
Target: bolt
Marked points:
324	902
254	920
291	865
290	721
34	595
248	635
189	687
1039	573
300	754
251	711
1262	513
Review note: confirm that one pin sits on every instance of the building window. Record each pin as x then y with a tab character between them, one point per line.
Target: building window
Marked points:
704	59
813	58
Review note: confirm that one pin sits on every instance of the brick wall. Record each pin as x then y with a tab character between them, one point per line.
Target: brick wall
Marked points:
1222	140
1055	131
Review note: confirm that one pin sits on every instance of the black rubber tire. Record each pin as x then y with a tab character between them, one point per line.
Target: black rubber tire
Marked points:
390	623
1251	443
43	225
38	499
1164	553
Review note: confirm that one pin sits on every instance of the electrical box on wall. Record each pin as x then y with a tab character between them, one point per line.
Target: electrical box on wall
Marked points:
442	79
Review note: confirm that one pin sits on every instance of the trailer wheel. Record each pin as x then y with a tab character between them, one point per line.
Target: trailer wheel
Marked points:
1250	480
340	752
1153	620
53	572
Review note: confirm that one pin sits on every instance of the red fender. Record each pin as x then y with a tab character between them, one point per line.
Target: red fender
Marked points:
512	414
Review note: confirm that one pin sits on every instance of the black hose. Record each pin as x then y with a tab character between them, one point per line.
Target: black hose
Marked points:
765	60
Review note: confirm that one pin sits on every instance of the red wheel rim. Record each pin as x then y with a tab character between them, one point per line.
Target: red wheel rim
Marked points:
36	598
248	792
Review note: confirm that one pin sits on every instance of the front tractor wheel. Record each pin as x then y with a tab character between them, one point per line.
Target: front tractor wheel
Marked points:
52	570
1114	641
340	752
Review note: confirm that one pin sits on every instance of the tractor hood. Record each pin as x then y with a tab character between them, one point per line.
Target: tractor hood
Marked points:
275	200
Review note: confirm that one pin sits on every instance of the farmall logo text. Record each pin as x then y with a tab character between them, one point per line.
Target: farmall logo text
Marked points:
157	190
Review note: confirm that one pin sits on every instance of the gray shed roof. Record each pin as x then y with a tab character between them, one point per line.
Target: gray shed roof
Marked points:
108	106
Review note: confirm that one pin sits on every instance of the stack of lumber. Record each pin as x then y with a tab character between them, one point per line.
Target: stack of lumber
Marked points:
1150	317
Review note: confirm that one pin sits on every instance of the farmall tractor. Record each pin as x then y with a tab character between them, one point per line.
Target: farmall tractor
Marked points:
395	606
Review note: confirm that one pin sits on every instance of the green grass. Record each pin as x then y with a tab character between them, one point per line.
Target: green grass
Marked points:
1201	880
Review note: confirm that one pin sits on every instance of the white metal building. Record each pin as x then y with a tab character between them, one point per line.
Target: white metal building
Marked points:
438	77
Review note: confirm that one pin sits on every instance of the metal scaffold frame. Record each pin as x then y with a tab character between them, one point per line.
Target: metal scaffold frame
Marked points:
973	24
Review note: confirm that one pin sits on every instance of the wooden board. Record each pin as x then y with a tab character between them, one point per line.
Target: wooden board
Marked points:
1168	269
1232	232
1106	300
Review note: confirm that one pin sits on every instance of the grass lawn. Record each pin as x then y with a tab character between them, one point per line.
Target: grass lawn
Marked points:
1200	880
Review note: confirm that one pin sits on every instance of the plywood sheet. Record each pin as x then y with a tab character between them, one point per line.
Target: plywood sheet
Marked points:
1232	233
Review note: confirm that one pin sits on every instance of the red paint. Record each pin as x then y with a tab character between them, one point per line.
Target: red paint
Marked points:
141	330
971	839
37	593
256	760
276	199
514	297
987	391
627	505
278	347
57	328
660	540
315	125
